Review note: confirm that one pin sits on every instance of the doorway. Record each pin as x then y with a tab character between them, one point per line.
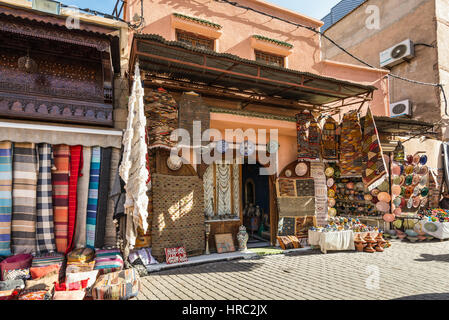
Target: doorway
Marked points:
256	205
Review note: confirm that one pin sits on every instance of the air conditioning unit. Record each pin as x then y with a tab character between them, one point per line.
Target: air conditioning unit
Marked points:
401	108
397	54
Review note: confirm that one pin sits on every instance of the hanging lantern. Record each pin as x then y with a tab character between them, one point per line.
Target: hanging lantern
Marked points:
399	153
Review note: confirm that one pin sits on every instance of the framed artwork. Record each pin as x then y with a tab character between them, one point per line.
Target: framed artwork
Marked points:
175	255
224	243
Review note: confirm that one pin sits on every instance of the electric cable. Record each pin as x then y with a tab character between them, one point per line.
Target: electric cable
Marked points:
437	85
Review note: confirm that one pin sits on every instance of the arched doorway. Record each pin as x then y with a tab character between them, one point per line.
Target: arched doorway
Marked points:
256	204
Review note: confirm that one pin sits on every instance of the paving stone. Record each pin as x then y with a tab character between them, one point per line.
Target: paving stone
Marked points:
404	271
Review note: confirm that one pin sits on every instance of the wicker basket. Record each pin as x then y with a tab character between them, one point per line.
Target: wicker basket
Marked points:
178	214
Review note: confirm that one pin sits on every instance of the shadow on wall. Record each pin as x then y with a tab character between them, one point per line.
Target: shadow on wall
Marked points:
428	296
433	257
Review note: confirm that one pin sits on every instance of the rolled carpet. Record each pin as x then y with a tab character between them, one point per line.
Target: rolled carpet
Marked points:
25	172
5	197
92	202
76	164
82	197
103	191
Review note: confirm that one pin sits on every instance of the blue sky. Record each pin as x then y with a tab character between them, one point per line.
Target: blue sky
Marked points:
315	9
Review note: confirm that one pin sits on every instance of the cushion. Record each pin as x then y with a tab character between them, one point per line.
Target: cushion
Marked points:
34	295
81	255
48	260
69	295
76	267
108	261
19	274
10	289
285	243
20	261
45	283
91	276
39	272
121	285
73	286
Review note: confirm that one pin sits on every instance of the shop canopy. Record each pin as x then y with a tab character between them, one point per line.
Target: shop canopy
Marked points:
183	67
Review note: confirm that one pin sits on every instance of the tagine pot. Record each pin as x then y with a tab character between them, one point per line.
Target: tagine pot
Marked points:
370	242
359	243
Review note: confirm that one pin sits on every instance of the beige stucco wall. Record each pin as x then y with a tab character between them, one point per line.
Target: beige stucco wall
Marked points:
399	20
442	21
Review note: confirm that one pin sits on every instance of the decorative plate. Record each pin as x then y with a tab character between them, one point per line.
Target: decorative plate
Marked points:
416	159
368	197
301	169
397	201
430	227
402	180
384	187
330	182
222	146
410	203
332	212
332	202
396	190
424	170
383	206
288	173
424	192
329	172
416	179
247	148
397	224
331	193
409	159
384	197
397	212
388	217
174	163
396	170
375	192
396	180
416	202
408	180
409	169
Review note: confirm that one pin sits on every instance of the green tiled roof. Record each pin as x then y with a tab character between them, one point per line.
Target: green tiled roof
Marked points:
198	20
278	42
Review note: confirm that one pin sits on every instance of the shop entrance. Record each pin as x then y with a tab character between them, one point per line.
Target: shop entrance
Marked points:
256	205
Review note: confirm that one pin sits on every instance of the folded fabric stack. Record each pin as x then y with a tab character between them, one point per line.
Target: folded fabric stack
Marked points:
80	260
107	261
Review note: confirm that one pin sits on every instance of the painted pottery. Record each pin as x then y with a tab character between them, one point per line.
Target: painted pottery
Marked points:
423	160
409	159
301	169
424	192
388	217
384	197
329	172
242	238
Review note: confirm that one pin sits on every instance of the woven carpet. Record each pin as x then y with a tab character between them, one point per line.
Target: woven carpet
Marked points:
351	146
92	202
103	192
5	197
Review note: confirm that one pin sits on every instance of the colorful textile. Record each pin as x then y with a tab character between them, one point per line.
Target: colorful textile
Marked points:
329	140
33	295
308	136
60	178
76	267
108	261
45	232
90	276
25	172
103	190
110	237
5	197
49	259
45	283
374	167
351	146
40	272
69	295
76	165
92	202
81	255
161	111
82	198
120	285
18	274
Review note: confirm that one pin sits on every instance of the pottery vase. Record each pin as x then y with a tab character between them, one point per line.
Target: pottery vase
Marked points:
242	238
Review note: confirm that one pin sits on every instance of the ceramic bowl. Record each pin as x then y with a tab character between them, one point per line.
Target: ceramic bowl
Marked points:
412	239
411	233
392	232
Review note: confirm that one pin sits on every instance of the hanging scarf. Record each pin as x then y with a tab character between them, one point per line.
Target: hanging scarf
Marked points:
308	137
329	140
25	172
45	231
133	168
92	202
103	188
60	179
5	197
110	238
82	198
351	146
374	168
76	165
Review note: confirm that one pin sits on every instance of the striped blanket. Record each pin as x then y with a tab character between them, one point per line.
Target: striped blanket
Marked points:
45	233
82	197
61	195
25	172
92	202
5	197
45	260
76	164
103	190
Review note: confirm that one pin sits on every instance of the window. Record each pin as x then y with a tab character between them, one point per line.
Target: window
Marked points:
195	40
270	59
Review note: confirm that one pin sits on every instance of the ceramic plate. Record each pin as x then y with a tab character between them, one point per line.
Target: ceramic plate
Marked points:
409	169
416	159
396	170
382	206
388	217
174	163
416	179
384	197
397	212
397	201
396	190
423	160
368	197
332	212
329	172
424	170
396	180
409	159
410	203
331	193
330	182
375	192
301	169
384	186
288	173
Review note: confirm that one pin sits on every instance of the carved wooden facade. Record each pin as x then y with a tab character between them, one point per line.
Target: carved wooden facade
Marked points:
51	73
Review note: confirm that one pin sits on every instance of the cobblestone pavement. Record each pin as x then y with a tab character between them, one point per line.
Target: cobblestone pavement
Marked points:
406	271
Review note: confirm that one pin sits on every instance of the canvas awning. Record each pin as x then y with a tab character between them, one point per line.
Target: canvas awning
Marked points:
183	67
20	131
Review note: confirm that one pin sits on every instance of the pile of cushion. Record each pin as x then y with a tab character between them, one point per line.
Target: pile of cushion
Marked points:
84	274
